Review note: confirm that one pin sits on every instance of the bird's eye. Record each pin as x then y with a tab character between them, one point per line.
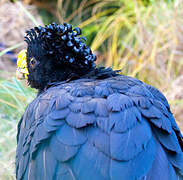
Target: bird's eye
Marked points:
33	61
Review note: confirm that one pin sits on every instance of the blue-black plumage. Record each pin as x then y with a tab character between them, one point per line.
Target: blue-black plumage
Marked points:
91	123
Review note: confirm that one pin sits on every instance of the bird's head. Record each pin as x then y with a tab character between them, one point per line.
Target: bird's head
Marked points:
54	53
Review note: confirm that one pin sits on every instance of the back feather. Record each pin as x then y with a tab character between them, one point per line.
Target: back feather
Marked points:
116	128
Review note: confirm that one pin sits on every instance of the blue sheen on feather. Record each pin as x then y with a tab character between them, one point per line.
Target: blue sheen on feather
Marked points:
119	85
157	95
118	102
119	126
40	169
101	107
132	82
176	160
137	113
141	101
62	102
68	87
125	146
50	129
22	165
113	102
174	125
140	90
82	91
59	114
62	152
42	108
90	164
27	138
135	168
169	141
42	133
161	168
65	172
151	112
70	136
103	90
163	123
103	124
82	99
31	169
79	120
26	148
89	106
124	120
99	139
53	122
159	105
75	107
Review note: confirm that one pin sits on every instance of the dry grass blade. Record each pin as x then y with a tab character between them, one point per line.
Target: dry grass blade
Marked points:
28	14
11	48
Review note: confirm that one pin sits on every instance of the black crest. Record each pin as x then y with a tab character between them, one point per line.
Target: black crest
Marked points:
63	43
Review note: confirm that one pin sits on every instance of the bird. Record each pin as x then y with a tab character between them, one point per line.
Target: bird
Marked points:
89	122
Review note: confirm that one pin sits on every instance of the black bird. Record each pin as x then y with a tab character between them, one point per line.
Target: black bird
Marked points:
90	123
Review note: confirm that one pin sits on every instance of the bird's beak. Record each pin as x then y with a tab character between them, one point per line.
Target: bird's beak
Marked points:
22	71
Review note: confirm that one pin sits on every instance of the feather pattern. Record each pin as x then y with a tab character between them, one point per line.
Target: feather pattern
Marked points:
116	128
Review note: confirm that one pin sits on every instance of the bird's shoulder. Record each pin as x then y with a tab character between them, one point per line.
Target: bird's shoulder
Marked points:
114	104
117	117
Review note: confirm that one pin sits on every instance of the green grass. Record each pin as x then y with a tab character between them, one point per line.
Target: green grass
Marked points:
140	37
14	97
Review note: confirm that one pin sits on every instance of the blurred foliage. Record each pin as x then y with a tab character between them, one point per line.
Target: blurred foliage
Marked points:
140	37
14	97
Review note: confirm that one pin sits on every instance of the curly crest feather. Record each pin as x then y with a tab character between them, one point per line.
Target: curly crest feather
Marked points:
63	43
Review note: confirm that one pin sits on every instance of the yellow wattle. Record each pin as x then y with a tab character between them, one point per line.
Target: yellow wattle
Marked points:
22	63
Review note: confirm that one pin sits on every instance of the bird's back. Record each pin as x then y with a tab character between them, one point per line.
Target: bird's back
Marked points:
116	128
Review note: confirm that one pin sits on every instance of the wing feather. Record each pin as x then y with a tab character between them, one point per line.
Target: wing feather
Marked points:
135	168
125	146
116	128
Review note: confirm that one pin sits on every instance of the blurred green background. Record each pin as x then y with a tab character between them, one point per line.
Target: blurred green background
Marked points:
144	38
